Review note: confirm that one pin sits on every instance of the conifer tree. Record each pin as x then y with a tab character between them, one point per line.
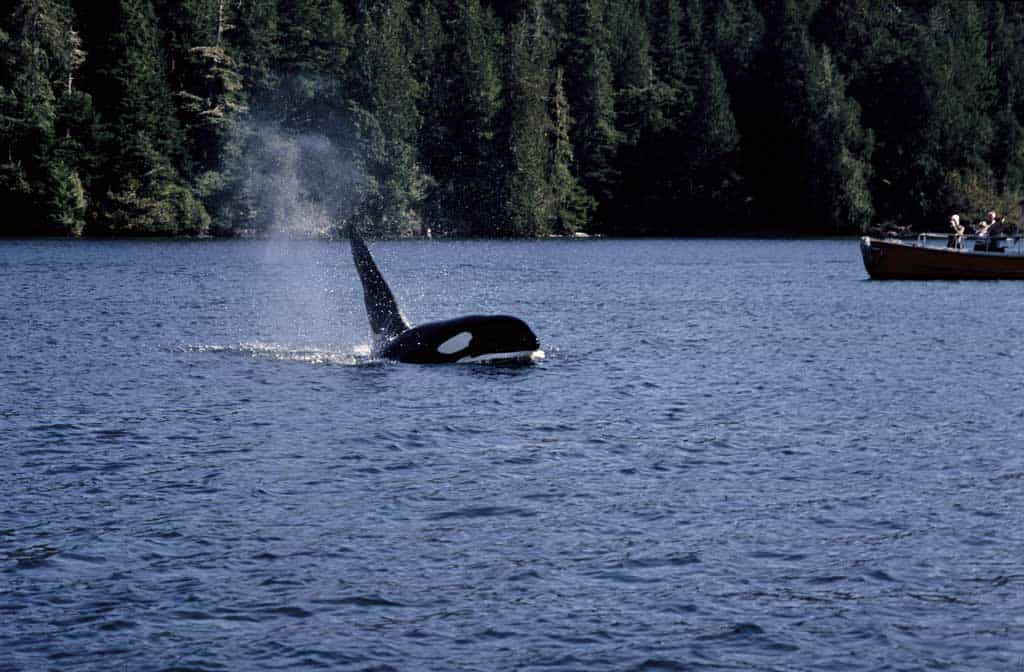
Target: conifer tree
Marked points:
840	151
529	209
254	42
316	35
824	161
737	29
588	87
141	188
629	45
665	18
316	40
939	146
211	101
38	58
713	149
1006	29
26	119
212	105
570	203
462	106
876	52
387	119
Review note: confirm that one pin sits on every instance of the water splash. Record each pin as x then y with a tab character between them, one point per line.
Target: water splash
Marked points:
282	352
301	160
303	179
301	184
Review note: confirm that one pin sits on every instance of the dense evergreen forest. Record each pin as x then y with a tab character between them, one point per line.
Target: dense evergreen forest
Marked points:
506	118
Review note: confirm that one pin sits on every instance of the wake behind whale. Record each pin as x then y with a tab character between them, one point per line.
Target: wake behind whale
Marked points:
469	339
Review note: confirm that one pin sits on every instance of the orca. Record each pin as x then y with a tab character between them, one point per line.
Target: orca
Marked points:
500	339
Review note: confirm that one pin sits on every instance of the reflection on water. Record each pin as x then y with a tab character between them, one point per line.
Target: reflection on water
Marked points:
737	454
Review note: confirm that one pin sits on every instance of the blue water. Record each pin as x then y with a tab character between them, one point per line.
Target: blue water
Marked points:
738	455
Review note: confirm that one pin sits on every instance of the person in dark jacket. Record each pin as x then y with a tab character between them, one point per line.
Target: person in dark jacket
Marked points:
956	233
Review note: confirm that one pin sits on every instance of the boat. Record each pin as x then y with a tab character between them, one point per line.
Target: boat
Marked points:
919	259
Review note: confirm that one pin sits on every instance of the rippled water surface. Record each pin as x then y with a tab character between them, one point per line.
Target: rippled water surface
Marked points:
738	455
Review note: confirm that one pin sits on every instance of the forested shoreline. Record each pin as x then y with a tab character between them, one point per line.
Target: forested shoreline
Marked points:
519	118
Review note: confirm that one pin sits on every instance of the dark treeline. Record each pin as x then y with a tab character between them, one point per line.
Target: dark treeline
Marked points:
511	118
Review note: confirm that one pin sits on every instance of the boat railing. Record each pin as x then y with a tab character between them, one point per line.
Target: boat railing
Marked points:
923	238
1013	244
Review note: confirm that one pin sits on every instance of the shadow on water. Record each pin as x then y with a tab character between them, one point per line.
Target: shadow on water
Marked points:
502	369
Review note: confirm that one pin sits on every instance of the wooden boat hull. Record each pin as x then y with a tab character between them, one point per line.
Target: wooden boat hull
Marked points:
894	260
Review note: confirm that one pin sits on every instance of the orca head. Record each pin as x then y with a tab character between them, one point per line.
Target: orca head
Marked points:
476	338
493	338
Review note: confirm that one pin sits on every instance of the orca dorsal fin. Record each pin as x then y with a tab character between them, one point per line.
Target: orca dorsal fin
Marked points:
386	320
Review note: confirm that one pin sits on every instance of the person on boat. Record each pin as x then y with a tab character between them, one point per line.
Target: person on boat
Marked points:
999	231
956	233
1002	229
983	236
